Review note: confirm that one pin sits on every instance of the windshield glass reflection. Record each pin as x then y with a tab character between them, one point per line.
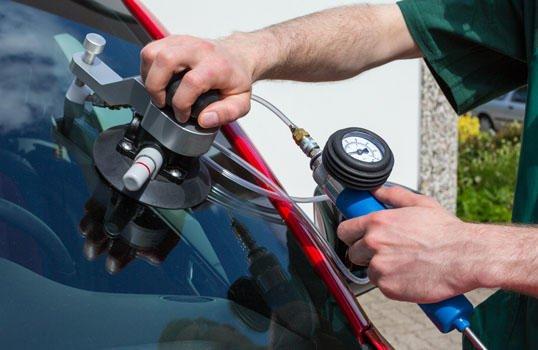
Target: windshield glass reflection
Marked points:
109	272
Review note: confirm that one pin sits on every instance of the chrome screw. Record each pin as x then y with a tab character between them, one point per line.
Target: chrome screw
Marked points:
94	44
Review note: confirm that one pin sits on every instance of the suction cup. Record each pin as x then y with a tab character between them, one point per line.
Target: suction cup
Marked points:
159	192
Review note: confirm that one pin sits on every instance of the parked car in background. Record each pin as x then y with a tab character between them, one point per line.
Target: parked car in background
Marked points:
504	109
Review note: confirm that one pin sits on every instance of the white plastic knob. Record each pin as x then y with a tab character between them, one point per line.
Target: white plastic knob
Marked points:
147	163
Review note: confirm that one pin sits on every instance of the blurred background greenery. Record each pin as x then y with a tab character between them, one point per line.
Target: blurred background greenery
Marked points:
487	168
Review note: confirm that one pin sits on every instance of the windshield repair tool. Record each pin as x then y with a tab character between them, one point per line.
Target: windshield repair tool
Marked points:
354	162
155	158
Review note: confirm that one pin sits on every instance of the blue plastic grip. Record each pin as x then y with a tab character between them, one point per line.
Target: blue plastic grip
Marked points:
449	314
354	203
446	315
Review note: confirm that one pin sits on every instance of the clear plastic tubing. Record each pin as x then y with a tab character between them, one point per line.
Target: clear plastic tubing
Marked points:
274	109
276	192
279	194
240	181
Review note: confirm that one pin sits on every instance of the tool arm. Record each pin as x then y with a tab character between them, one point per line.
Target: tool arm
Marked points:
108	85
117	91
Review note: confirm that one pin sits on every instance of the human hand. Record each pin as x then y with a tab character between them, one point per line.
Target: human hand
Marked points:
221	65
415	252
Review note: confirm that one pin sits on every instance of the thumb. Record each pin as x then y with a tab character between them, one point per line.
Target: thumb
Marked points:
399	197
225	111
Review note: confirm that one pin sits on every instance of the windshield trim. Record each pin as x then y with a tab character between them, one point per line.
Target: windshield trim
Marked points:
297	224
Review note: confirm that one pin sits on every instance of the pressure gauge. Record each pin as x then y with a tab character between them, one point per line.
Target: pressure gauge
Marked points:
357	158
358	145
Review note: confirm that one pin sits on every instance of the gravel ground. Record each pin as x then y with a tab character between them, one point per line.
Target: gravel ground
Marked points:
406	327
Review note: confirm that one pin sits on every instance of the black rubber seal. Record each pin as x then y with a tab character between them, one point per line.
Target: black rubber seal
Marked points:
352	172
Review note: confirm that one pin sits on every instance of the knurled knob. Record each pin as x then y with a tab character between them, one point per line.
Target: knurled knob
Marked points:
94	44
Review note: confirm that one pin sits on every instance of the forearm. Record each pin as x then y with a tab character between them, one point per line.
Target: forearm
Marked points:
506	257
330	45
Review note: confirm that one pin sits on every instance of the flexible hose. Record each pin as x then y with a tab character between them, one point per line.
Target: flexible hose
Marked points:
275	110
240	181
276	194
238	160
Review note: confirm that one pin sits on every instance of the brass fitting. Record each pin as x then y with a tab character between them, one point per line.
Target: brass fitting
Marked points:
305	142
299	134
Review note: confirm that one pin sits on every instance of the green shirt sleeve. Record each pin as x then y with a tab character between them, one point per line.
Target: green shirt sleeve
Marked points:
475	48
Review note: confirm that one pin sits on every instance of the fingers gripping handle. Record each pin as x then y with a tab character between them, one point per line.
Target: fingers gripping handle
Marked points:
199	105
446	315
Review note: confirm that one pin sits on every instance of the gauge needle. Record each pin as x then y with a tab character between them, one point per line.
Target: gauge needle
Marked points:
361	151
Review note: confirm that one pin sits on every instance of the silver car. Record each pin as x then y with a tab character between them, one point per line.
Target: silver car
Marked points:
504	109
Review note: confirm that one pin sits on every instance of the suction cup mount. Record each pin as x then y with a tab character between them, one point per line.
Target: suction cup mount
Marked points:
154	159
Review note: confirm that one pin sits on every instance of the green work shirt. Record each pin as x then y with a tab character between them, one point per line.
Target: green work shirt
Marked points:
478	50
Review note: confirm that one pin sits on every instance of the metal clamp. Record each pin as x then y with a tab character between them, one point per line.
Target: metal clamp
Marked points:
186	139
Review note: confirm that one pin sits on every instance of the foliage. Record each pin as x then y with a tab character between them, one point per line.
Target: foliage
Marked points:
487	171
468	127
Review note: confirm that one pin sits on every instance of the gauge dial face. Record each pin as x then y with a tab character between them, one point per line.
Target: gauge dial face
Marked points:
356	145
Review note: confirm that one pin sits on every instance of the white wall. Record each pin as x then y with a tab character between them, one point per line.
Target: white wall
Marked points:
385	100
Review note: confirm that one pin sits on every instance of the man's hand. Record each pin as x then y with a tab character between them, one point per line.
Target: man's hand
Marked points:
417	251
213	65
330	45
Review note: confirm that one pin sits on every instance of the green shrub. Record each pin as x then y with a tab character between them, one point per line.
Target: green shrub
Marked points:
487	169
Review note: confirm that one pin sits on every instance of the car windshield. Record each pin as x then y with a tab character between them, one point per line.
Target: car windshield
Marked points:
226	274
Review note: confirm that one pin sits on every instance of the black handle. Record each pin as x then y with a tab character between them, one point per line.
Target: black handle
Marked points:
200	104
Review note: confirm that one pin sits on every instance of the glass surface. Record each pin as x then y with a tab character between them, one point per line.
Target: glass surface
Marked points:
81	266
